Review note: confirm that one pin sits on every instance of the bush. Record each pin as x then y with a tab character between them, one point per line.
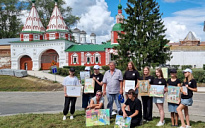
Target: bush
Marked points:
186	66
203	66
105	68
175	66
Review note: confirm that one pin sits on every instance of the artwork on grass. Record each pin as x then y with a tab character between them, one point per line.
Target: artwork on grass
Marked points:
121	122
173	95
83	75
144	87
73	91
129	84
98	117
89	85
156	91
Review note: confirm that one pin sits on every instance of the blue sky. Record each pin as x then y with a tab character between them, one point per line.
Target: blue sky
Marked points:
167	7
98	16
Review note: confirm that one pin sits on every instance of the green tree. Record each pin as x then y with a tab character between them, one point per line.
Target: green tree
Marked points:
45	9
144	42
10	23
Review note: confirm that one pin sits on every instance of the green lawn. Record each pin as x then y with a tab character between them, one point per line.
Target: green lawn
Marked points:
55	121
11	83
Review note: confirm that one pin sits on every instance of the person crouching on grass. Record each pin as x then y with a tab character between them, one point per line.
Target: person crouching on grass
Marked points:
186	98
134	109
69	80
97	102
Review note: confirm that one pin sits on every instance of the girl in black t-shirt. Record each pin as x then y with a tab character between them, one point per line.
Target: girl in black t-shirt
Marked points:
159	101
131	74
173	81
186	97
146	100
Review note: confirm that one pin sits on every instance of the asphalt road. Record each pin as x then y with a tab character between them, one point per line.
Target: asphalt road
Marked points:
52	102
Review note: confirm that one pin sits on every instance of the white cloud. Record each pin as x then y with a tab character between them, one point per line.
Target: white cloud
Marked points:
95	17
184	21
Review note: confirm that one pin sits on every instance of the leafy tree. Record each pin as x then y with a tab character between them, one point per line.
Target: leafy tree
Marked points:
45	9
144	40
10	23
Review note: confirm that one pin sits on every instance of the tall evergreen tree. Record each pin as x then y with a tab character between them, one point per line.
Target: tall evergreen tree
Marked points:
45	9
144	40
10	23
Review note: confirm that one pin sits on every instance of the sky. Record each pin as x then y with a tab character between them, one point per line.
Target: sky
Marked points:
179	16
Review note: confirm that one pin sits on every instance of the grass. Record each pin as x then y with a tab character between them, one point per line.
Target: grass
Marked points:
55	121
11	83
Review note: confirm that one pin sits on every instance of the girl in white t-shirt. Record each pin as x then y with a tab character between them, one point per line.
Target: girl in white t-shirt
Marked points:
69	80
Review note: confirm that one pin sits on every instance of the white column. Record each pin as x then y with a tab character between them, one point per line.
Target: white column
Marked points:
36	64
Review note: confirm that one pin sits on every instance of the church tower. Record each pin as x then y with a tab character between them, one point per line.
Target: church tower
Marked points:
117	27
57	29
33	28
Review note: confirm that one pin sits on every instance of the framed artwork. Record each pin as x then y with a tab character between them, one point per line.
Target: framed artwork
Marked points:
121	122
97	117
156	91
173	95
89	85
73	91
144	87
184	89
129	84
165	72
83	75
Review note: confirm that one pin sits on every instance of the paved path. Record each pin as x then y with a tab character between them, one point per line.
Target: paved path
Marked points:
52	102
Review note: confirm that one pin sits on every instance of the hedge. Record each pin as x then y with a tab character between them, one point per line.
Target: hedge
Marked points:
186	66
199	75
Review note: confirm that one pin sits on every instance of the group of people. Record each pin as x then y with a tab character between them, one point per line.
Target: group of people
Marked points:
113	83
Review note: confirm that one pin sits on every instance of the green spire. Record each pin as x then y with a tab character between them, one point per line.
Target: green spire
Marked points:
33	1
119	6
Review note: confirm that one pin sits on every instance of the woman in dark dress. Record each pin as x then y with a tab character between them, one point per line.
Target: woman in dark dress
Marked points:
146	100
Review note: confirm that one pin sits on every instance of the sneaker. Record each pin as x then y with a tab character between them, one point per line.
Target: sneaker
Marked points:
71	117
160	123
188	126
64	117
182	127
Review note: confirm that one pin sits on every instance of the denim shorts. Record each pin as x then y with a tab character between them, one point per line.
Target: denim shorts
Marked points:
187	102
172	107
158	99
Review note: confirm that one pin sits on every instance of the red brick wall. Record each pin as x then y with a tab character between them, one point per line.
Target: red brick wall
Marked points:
102	59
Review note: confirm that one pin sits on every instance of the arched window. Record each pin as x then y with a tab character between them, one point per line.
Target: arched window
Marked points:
97	58
74	58
88	58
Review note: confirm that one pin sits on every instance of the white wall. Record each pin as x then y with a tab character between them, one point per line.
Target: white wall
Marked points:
188	58
35	50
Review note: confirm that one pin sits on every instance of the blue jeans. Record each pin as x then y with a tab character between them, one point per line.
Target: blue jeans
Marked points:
111	98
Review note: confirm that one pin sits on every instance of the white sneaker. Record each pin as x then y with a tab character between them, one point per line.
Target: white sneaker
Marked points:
64	117
160	123
188	126
71	117
181	127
